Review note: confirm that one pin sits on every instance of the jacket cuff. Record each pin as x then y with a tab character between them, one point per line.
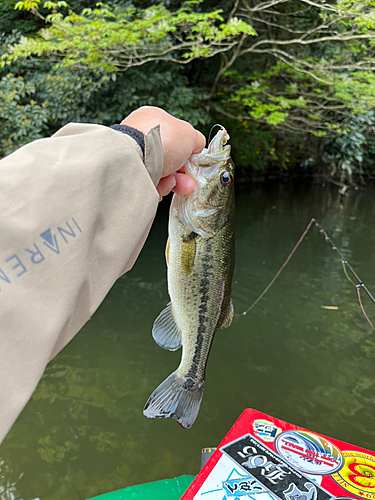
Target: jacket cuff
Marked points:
135	134
149	146
153	159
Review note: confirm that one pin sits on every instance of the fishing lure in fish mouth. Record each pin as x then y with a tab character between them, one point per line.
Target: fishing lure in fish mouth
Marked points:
200	259
219	141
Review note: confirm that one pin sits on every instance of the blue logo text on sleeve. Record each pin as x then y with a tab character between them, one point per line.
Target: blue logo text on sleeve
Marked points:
49	242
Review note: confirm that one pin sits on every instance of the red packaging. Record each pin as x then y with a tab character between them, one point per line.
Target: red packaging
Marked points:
264	458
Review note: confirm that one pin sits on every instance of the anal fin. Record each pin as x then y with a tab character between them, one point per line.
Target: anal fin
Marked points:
165	331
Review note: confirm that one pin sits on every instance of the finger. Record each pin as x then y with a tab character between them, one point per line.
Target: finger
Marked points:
199	142
166	184
184	184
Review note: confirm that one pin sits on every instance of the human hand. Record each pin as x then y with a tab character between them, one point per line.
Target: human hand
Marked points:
179	141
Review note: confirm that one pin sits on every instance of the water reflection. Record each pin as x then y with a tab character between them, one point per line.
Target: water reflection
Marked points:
83	433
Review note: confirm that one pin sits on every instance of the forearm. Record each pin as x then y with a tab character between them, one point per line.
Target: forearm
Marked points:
75	211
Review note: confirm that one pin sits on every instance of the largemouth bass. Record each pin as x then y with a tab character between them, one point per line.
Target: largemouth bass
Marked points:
200	258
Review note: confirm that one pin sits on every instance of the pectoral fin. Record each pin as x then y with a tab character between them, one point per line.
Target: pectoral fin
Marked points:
165	331
229	317
188	253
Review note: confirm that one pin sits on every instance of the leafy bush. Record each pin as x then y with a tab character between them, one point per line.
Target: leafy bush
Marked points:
294	80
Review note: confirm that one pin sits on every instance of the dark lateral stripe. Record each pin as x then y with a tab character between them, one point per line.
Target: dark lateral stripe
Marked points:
202	311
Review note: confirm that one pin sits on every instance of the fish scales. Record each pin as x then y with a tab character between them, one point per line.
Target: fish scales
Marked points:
196	295
200	257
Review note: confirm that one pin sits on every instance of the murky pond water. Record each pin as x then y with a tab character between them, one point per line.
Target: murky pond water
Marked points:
83	432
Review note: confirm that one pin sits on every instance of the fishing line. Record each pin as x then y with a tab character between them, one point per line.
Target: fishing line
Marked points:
358	287
346	274
216	125
281	268
345	264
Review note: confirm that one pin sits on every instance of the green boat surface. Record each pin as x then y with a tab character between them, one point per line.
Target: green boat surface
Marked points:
166	489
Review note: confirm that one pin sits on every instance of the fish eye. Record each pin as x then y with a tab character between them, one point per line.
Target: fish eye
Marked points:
225	178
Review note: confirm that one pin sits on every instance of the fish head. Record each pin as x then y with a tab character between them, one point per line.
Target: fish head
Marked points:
207	209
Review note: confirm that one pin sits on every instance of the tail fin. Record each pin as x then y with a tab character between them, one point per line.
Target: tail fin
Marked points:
175	398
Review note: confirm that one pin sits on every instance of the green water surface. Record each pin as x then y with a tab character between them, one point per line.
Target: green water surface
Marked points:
83	432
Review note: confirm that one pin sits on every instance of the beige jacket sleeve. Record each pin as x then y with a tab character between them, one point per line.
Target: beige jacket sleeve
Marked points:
75	211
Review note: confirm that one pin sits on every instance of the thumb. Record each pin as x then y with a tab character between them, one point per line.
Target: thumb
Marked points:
199	142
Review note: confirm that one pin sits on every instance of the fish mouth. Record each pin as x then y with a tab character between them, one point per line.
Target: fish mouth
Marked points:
206	164
216	145
203	168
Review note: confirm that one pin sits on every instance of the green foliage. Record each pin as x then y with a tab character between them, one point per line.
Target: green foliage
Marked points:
346	152
98	91
41	104
53	97
322	82
116	38
23	119
24	22
36	106
252	145
283	95
298	67
258	149
157	85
